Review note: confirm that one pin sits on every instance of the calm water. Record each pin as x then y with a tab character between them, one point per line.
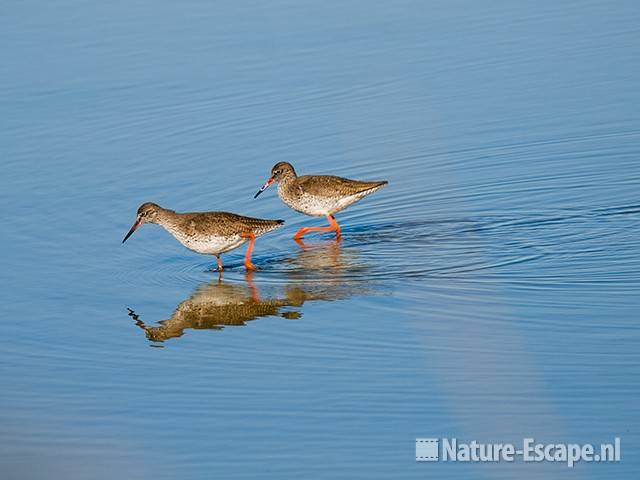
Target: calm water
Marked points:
490	292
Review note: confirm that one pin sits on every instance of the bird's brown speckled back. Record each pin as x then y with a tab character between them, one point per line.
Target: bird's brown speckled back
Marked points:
222	224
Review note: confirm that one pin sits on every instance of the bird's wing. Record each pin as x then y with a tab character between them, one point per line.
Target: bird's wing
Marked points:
329	185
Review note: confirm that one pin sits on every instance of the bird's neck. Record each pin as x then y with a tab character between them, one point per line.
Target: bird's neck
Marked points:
166	218
287	181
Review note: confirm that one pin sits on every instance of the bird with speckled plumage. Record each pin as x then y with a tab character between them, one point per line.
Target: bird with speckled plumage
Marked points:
208	233
317	195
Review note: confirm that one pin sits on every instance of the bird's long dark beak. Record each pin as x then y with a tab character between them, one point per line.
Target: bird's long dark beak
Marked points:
135	226
264	187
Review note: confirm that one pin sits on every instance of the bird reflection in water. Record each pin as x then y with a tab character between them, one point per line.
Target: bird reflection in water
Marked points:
319	272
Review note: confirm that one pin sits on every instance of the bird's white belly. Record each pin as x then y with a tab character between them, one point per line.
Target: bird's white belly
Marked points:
211	245
322	206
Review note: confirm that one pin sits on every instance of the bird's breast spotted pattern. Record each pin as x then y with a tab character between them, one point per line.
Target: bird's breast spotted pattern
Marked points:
317	205
311	205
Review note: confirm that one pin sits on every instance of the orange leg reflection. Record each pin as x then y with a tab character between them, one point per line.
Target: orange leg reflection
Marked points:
255	294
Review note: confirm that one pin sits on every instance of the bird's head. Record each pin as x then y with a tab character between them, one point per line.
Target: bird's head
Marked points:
147	213
279	172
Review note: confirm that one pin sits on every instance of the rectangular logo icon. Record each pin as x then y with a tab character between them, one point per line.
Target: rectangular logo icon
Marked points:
426	449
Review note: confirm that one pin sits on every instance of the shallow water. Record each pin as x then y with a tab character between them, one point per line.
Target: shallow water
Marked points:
489	292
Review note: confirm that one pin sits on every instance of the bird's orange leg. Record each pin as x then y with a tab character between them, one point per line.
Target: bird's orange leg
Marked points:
247	257
300	243
333	227
220	264
334	224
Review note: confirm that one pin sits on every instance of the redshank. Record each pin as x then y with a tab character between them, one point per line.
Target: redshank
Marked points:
209	233
317	195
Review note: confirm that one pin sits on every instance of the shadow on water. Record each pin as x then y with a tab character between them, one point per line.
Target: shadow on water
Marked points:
218	304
